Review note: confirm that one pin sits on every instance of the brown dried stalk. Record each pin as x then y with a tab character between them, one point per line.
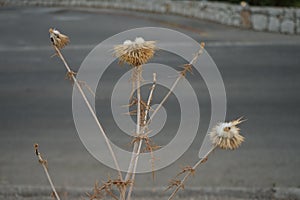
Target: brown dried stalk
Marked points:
186	169
138	71
174	183
97	194
138	125
141	138
225	135
70	73
190	172
43	162
149	147
149	99
135	53
106	189
143	109
187	68
136	147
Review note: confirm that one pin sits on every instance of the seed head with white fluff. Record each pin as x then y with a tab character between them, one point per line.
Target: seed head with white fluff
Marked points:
226	135
59	40
136	52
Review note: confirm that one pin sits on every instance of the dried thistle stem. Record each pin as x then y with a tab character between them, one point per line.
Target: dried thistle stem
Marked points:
90	109
181	75
138	120
141	141
150	98
44	164
162	102
138	85
136	150
202	160
136	154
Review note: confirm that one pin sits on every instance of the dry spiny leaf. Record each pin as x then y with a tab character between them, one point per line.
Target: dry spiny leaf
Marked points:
174	183
186	169
69	75
186	68
106	188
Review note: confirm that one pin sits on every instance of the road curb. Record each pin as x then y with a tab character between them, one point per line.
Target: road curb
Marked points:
43	192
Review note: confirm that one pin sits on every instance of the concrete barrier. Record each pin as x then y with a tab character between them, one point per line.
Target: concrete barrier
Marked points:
271	19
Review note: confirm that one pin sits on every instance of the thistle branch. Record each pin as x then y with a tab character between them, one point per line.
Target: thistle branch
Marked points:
141	141
190	172
70	72
44	164
182	74
136	84
150	98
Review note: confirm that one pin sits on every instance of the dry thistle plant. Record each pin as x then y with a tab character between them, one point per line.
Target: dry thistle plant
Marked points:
225	135
137	53
58	42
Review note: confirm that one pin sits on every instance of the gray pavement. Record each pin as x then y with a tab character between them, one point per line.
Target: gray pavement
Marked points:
208	193
260	71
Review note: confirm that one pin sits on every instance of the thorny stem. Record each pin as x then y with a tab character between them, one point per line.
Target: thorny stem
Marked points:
138	125
135	146
200	52
44	164
91	110
122	193
134	169
150	98
138	85
141	141
190	172
162	102
135	153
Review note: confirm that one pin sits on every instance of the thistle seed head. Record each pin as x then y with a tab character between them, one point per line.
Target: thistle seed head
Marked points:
136	52
59	40
226	135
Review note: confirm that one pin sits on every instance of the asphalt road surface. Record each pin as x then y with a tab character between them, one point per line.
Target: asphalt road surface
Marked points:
261	73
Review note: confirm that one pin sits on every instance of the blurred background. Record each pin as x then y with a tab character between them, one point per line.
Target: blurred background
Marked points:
287	3
259	65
